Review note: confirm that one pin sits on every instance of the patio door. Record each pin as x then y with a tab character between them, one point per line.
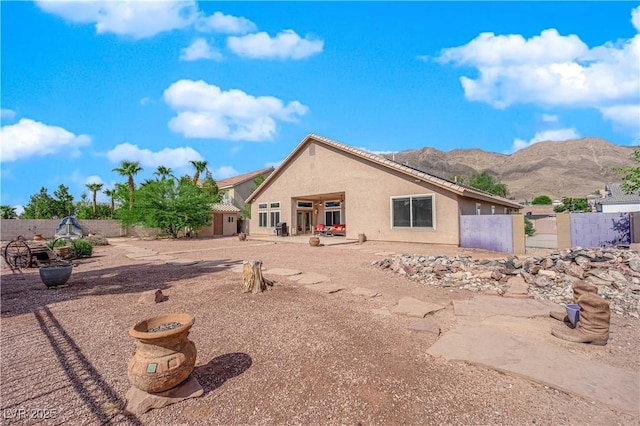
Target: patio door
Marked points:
304	224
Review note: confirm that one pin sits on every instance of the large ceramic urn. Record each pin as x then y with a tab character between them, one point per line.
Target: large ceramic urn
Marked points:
164	355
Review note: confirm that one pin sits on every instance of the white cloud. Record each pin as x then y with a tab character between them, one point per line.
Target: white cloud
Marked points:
19	209
627	117
550	70
199	49
93	179
146	101
286	45
556	135
376	152
224	172
206	111
7	114
138	19
29	138
635	18
227	24
168	157
548	118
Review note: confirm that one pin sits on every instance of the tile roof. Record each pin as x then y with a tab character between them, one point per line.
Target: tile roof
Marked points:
617	195
452	186
237	180
224	208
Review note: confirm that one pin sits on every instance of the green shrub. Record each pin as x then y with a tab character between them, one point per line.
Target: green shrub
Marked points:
529	230
97	240
84	248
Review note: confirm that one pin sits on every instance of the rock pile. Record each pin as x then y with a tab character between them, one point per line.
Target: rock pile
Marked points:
616	273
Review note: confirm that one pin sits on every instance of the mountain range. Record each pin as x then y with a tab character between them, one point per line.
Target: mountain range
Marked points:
573	168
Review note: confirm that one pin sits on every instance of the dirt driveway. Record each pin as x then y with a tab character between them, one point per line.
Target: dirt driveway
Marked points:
291	355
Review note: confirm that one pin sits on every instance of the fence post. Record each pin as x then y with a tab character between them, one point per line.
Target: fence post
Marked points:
563	222
517	234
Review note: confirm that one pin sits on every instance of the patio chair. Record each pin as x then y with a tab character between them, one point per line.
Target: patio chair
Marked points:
320	229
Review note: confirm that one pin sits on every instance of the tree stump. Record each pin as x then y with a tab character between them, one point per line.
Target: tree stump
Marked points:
252	280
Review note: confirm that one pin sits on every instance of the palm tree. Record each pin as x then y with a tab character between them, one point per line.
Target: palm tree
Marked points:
163	172
129	169
111	193
94	188
8	212
200	167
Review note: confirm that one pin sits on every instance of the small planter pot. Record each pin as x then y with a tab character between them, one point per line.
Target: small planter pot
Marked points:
242	236
164	355
37	237
55	275
314	241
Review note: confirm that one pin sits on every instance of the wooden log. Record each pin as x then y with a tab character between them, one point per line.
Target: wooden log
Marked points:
252	280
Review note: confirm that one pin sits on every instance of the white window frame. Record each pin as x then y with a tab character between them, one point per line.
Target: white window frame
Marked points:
271	221
411	197
493	209
262	219
478	209
274	205
262	206
304	207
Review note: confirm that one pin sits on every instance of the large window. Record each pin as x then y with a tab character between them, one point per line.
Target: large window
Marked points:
262	215
262	219
412	211
332	217
275	217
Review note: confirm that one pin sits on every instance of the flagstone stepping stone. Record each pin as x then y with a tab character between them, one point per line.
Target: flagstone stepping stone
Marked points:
310	278
384	312
326	287
366	292
415	308
486	306
425	325
182	262
282	271
518	288
526	355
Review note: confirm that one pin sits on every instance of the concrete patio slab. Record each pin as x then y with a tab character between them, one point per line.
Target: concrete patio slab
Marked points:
366	292
530	357
310	278
282	271
415	308
326	287
486	306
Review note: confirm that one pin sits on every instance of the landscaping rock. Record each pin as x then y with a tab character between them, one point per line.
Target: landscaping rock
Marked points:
614	270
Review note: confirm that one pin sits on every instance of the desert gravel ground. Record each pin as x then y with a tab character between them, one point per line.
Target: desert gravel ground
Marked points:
291	355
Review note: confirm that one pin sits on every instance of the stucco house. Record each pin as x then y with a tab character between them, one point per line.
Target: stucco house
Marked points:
616	200
236	189
326	182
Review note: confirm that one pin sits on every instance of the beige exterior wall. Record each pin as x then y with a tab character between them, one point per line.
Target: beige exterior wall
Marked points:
367	189
563	224
519	239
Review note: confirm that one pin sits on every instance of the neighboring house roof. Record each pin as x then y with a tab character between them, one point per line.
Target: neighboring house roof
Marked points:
224	208
237	180
617	195
376	159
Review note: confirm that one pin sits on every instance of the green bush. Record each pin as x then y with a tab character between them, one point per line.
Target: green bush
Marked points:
84	248
97	240
542	200
529	230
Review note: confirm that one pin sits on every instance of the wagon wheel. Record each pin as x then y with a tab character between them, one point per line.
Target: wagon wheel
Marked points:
17	254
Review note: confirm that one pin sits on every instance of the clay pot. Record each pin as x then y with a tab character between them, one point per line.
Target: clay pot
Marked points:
55	275
314	241
162	359
37	237
242	236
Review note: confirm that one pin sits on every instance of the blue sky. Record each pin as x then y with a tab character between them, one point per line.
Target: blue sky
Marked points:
240	84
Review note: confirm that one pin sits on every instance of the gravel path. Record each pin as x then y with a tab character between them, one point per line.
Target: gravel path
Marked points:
290	355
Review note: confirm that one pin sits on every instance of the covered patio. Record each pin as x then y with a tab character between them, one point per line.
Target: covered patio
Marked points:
308	211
